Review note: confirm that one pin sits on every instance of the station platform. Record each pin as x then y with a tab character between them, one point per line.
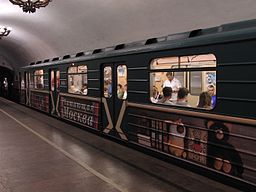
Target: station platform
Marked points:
39	153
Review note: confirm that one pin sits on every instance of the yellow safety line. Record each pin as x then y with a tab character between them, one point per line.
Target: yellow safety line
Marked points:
81	163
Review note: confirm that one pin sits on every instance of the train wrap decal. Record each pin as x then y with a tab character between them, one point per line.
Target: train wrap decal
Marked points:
110	122
81	111
119	121
219	145
39	100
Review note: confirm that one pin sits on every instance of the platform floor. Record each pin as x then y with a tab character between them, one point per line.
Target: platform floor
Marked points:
41	154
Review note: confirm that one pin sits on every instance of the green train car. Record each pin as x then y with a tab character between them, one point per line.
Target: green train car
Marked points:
187	98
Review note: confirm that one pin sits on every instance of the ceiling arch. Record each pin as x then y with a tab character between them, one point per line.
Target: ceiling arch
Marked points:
67	27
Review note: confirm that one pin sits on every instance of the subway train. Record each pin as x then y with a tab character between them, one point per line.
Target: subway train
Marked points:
186	98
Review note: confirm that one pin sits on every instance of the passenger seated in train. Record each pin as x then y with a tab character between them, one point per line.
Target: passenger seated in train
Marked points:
211	91
155	95
182	98
167	92
120	91
205	100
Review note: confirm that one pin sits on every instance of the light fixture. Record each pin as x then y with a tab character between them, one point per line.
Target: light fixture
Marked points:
30	5
4	31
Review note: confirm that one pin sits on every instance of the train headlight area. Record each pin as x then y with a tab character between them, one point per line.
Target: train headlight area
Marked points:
186	99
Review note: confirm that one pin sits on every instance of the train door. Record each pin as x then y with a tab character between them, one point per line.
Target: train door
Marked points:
114	95
54	90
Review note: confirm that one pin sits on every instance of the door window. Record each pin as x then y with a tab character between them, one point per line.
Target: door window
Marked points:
122	82
108	84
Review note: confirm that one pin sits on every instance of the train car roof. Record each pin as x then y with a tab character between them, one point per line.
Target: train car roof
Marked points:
220	34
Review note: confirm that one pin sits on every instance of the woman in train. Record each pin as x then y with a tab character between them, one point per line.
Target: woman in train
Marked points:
205	100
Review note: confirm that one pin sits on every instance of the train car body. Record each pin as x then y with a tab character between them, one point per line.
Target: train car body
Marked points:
110	91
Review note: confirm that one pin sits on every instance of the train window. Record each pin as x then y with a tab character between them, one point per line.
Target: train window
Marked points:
58	80
72	70
52	80
77	80
165	63
107	82
39	79
198	61
122	82
188	81
192	61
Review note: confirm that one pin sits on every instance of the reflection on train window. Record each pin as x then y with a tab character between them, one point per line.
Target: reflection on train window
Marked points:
194	85
39	79
107	82
122	82
77	80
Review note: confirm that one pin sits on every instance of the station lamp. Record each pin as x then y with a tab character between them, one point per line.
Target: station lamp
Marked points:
30	6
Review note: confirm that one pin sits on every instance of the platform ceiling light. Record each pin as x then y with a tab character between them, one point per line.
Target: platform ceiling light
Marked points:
30	6
4	31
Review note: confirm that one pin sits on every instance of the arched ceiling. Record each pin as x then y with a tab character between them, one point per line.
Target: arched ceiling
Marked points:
70	26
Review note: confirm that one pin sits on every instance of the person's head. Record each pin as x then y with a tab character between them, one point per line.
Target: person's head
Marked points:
182	93
169	76
211	90
167	92
204	100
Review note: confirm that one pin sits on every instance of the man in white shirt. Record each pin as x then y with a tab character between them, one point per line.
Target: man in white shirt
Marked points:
174	83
